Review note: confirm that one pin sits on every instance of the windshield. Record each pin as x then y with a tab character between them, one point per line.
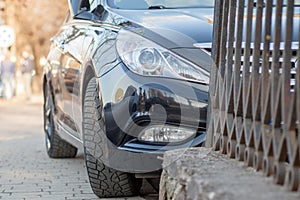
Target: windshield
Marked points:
159	4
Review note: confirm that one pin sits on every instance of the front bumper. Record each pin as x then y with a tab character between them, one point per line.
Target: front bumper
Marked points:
132	102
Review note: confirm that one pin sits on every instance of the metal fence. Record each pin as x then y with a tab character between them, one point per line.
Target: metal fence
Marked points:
254	113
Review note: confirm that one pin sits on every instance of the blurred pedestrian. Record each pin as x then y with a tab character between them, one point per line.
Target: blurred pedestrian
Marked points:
27	69
8	73
1	84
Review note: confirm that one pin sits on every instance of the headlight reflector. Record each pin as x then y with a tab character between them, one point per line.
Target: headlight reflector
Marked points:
149	59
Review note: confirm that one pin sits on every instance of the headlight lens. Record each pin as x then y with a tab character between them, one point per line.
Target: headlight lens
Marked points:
147	58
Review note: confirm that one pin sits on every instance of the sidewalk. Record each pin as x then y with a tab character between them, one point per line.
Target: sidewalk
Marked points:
26	171
36	99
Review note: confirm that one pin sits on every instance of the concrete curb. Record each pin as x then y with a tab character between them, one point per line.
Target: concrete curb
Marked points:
200	173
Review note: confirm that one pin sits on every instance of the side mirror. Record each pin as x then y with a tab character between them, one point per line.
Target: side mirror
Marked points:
85	14
96	14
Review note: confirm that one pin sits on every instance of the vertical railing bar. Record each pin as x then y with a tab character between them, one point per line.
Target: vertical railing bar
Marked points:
286	75
247	52
266	57
217	28
297	91
257	40
256	58
221	76
276	81
222	81
224	33
297	94
276	56
286	67
230	39
238	50
216	38
294	139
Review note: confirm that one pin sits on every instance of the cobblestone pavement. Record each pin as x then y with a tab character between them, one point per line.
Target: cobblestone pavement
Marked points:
26	172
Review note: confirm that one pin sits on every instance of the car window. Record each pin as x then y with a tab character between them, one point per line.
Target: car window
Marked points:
159	4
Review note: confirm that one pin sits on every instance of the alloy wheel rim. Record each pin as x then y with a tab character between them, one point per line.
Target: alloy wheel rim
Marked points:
48	143
48	122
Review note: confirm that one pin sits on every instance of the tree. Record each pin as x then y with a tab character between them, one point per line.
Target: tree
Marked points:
35	22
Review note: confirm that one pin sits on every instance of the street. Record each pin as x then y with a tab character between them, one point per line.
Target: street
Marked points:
26	171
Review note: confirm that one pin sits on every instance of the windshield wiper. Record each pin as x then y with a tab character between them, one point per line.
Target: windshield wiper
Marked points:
157	7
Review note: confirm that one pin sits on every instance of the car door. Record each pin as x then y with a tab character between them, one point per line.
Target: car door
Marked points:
80	37
71	61
71	44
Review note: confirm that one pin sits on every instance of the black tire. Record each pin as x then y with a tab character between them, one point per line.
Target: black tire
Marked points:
105	181
55	146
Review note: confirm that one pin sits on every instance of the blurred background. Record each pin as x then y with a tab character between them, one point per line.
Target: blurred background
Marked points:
26	27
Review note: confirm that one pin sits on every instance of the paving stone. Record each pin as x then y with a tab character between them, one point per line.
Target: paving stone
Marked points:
26	171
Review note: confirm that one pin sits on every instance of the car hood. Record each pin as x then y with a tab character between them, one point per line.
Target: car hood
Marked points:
177	27
185	27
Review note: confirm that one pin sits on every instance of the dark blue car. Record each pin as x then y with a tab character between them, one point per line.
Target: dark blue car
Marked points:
127	80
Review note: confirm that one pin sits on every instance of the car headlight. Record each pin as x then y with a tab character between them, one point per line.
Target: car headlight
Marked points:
147	58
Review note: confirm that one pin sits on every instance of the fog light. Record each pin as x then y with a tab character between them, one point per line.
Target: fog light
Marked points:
166	134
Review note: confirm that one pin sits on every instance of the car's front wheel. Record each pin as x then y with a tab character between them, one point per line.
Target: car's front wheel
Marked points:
105	181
